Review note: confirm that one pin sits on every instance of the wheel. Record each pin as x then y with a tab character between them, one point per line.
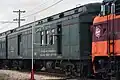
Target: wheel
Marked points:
50	66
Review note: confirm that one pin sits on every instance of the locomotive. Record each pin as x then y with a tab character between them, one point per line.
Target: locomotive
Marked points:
62	41
106	40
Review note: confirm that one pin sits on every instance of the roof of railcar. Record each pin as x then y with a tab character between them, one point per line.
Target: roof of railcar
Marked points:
82	7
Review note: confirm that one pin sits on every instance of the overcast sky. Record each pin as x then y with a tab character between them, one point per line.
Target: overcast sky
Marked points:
32	6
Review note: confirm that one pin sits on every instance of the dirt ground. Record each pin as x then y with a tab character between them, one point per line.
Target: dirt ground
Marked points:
15	75
8	77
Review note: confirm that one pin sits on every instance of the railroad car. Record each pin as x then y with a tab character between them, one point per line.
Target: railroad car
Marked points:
62	41
106	40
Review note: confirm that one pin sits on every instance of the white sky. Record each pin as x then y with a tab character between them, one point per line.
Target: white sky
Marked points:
32	6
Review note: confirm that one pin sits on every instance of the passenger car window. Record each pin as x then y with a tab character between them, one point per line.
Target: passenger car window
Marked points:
52	37
47	37
42	38
53	33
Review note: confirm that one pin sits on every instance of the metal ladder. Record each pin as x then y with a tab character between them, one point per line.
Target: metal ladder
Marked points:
110	45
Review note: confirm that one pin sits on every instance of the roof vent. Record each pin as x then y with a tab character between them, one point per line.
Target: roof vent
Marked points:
49	19
11	31
40	22
76	11
61	15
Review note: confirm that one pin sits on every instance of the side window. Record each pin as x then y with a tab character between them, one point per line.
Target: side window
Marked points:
113	8
105	9
52	37
42	38
108	8
102	9
47	37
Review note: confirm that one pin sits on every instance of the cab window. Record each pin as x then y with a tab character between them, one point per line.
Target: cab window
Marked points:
105	9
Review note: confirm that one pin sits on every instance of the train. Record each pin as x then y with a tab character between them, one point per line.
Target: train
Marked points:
83	41
105	40
61	41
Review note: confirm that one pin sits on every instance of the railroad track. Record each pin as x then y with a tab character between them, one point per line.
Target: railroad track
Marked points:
52	75
38	75
42	75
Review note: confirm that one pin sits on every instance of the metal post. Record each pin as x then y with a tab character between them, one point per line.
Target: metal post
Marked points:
32	72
